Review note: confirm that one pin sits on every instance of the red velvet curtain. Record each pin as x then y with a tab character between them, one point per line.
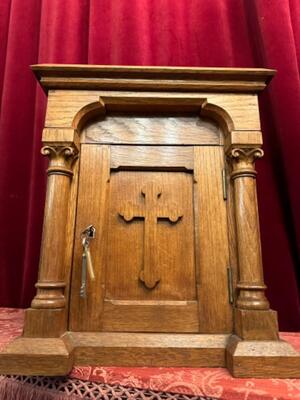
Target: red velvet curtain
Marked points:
239	33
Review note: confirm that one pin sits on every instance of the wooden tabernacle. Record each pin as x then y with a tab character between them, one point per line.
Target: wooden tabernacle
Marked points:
151	249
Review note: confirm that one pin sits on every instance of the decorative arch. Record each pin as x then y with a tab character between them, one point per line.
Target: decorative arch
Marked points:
88	112
153	103
220	115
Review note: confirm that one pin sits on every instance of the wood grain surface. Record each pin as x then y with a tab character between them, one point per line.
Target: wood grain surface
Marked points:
179	130
149	349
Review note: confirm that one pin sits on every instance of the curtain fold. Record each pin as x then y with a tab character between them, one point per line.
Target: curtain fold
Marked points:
235	33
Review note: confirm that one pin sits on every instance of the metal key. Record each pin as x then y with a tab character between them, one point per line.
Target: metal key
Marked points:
87	266
88	258
83	276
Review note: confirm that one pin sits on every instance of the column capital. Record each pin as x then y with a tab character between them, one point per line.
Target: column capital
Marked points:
243	159
247	154
61	157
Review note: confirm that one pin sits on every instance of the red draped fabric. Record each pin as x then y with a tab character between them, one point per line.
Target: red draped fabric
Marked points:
229	33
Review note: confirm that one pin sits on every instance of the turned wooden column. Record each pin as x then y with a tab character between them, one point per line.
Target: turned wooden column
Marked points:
51	283
250	285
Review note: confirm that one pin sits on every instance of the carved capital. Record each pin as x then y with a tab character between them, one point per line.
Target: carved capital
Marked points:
243	160
246	154
61	159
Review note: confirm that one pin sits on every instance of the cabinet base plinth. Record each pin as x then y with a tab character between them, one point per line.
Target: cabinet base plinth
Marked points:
262	359
57	356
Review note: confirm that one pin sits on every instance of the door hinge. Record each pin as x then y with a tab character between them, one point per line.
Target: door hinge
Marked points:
230	284
224	183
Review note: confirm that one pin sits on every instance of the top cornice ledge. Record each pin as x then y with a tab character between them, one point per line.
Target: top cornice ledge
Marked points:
187	79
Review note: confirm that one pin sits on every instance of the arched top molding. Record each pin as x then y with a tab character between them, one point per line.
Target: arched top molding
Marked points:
219	115
152	105
88	113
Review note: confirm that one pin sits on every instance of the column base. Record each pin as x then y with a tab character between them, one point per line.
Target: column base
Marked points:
262	359
45	323
256	324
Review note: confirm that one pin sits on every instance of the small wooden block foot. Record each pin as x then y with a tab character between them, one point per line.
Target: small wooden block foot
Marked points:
44	323
33	356
262	359
256	324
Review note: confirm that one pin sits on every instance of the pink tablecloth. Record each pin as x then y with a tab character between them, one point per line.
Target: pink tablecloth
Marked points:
210	382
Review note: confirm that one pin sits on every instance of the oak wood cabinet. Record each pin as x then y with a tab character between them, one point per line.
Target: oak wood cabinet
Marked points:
160	161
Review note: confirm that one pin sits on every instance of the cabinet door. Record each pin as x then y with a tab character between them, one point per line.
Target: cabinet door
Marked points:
160	253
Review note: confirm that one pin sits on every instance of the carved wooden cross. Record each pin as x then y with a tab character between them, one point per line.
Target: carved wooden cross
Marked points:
151	211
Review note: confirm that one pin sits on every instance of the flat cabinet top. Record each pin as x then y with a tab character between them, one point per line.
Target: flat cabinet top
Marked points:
188	79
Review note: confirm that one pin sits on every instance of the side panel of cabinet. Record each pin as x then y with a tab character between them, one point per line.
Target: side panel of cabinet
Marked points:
92	203
212	251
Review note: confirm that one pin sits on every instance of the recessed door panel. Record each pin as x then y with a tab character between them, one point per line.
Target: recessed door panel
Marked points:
150	247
